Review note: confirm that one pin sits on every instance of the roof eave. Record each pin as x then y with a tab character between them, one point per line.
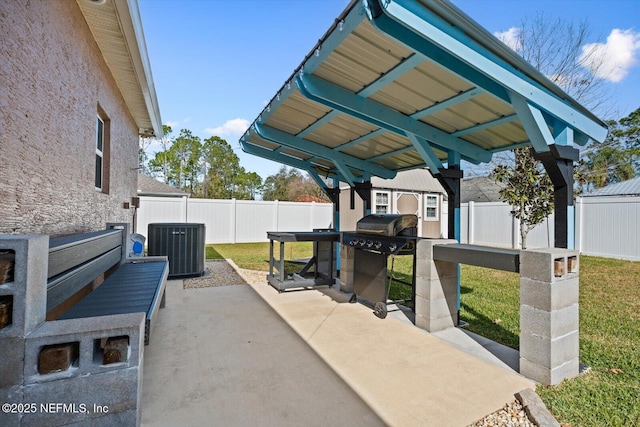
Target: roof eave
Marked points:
127	15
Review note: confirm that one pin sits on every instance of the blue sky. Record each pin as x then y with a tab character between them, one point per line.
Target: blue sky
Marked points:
216	63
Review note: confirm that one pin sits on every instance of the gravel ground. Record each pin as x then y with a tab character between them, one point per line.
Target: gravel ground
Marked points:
226	273
221	273
512	415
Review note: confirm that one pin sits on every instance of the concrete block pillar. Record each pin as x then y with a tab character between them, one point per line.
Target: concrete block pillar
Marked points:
436	304
326	257
24	296
549	338
347	256
28	289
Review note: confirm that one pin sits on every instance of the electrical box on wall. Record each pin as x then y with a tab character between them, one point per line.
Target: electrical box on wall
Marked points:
182	243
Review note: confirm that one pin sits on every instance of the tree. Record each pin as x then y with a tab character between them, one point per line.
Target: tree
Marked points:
180	163
248	185
522	186
606	163
276	186
629	134
617	158
222	168
290	184
304	189
556	49
143	157
208	169
159	165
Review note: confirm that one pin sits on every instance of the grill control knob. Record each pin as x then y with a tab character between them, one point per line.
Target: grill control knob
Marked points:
352	242
392	247
369	243
377	245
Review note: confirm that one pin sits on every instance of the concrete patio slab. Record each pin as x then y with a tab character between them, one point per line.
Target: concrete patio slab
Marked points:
221	357
224	357
409	377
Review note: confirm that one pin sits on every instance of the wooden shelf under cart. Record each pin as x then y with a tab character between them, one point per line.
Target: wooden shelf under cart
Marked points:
323	260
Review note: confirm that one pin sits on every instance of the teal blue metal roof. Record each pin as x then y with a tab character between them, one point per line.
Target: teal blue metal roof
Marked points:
402	84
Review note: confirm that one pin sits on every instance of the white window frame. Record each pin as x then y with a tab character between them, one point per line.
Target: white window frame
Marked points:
99	145
376	204
426	199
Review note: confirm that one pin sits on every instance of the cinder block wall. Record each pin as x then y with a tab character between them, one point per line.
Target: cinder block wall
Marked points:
53	79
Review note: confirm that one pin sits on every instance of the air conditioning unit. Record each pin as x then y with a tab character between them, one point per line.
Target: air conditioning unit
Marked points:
182	243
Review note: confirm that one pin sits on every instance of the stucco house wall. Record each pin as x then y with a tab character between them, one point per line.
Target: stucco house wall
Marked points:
54	81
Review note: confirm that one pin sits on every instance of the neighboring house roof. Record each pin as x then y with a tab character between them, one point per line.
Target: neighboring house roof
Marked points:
148	186
117	29
411	180
479	189
630	187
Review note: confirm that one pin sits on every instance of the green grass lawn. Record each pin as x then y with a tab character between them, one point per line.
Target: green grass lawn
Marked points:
255	256
609	395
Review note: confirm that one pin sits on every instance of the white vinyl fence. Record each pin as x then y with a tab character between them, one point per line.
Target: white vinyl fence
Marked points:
609	227
234	221
604	226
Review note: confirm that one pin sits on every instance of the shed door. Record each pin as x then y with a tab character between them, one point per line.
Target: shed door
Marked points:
409	203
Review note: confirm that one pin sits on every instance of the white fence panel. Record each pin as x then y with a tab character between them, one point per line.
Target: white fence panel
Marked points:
465	223
160	209
254	219
605	226
542	235
218	217
234	221
610	227
492	225
304	216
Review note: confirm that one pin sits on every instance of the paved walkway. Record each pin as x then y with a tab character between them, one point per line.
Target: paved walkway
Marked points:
226	358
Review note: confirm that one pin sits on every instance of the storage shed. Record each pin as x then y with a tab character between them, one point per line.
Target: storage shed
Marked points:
410	192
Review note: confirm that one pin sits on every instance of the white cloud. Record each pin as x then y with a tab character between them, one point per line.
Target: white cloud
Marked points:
511	38
613	59
174	124
233	127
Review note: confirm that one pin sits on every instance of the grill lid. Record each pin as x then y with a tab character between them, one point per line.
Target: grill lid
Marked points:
386	225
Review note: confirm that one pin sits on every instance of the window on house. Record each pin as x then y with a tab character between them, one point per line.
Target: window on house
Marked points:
381	205
430	207
102	152
99	152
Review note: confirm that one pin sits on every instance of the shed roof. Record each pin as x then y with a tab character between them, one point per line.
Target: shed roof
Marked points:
411	180
629	187
117	29
148	186
403	84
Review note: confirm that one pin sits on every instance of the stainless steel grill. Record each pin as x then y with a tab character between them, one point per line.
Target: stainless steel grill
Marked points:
376	238
387	225
387	234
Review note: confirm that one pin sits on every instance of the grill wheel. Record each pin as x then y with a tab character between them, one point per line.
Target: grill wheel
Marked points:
380	310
